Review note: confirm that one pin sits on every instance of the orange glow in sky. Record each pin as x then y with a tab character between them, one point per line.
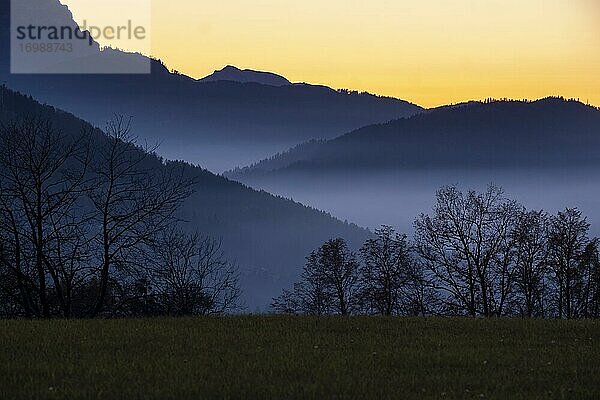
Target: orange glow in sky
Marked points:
430	52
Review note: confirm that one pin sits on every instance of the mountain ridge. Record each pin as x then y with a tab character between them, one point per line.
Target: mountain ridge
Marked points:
267	235
543	153
218	124
233	73
500	133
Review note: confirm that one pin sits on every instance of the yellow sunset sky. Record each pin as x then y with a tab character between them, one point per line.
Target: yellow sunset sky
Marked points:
430	52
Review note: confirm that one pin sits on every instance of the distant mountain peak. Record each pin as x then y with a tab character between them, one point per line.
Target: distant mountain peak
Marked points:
232	73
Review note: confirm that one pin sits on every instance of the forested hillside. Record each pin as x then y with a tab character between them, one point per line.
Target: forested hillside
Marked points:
266	235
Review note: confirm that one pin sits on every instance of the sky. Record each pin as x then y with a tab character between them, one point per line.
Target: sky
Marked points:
430	52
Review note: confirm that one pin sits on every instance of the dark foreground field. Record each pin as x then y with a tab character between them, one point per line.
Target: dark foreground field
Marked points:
285	357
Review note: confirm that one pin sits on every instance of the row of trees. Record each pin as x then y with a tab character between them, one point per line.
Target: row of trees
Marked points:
477	254
88	227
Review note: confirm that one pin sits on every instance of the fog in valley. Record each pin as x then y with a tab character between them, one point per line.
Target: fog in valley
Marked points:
373	198
218	157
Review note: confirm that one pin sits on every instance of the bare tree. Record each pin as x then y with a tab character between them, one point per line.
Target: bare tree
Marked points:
590	265
329	283
531	256
14	301
42	172
387	273
310	295
132	198
340	273
70	256
16	283
466	247
74	228
190	275
568	239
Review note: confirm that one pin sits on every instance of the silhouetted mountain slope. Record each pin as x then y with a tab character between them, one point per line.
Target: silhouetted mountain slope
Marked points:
4	38
267	235
551	132
231	73
218	124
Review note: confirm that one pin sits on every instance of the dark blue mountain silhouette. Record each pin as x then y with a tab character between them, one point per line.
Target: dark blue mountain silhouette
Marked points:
4	38
231	73
551	132
267	235
219	124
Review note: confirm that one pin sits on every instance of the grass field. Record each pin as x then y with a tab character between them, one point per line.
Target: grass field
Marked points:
263	357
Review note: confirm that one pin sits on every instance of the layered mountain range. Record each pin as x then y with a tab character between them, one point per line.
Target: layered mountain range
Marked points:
544	153
266	235
365	158
232	118
550	132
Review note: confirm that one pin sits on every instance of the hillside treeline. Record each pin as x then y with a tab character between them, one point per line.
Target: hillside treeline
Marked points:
89	228
476	254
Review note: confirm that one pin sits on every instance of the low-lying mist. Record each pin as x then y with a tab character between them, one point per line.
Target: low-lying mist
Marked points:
219	157
373	198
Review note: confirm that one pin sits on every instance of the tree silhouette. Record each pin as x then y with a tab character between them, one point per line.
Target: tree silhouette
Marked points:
190	275
132	203
467	248
387	272
568	240
328	284
43	176
530	237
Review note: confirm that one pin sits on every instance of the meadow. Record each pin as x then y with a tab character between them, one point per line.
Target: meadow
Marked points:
284	357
